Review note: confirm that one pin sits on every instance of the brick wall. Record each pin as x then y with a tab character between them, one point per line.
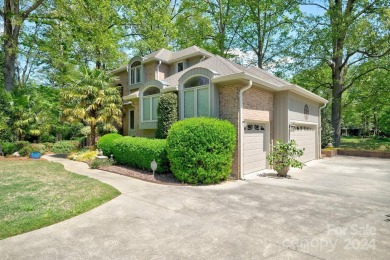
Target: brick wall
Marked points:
229	104
150	71
163	71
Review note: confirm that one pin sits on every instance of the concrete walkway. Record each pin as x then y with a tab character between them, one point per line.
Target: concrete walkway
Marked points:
333	209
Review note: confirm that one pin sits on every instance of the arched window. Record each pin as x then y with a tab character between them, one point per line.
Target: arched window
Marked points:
197	97
150	97
135	72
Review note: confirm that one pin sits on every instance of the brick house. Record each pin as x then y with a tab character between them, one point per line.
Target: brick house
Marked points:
260	105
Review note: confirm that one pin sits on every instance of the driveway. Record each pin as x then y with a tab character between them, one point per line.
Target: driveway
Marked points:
332	209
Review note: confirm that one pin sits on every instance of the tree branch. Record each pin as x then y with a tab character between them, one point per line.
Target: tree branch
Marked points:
31	8
361	75
1	13
318	5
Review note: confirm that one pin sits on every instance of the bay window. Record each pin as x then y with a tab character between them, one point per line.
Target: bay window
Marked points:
150	99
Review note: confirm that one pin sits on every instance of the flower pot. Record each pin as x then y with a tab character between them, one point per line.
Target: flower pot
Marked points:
35	155
283	172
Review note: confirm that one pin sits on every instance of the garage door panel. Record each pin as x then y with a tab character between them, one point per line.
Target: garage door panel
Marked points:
305	138
254	150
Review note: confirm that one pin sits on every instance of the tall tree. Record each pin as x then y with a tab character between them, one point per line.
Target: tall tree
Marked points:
14	14
267	29
349	33
92	99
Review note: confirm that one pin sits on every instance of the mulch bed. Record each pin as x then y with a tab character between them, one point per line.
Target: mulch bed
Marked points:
166	178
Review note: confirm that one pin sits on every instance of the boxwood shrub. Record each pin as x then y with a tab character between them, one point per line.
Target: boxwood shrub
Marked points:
65	146
105	143
166	114
139	152
8	148
200	150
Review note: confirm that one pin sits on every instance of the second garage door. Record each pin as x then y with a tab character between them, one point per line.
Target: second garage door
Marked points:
305	136
254	152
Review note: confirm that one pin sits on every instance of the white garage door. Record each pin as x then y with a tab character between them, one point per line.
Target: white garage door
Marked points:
254	152
305	136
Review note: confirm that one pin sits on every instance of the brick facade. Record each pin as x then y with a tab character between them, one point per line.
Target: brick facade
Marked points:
150	71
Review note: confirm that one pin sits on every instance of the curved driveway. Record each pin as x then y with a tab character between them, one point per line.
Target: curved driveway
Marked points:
332	209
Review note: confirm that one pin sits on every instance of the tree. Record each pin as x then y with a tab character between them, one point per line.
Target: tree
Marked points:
266	29
346	35
166	114
14	14
92	99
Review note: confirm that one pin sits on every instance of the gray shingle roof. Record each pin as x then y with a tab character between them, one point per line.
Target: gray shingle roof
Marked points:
169	56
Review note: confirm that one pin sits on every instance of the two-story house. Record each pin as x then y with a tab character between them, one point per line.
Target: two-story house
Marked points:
263	107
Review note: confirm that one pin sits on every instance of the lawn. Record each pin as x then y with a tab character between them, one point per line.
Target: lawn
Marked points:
38	193
379	144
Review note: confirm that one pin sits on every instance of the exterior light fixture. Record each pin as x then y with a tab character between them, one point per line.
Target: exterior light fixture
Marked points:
153	165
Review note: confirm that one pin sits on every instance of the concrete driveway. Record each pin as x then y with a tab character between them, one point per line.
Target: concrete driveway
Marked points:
332	209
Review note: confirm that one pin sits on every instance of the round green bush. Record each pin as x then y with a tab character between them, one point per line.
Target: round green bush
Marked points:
8	148
200	150
105	143
139	152
26	150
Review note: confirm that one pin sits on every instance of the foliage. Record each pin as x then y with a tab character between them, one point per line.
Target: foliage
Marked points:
26	150
65	147
166	114
8	148
105	143
5	115
92	99
97	163
200	150
140	152
38	193
283	155
370	143
326	134
41	148
86	156
21	144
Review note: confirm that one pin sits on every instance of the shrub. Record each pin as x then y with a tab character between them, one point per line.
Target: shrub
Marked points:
8	148
97	163
200	150
105	143
166	114
39	148
140	152
85	156
20	144
49	146
65	146
26	150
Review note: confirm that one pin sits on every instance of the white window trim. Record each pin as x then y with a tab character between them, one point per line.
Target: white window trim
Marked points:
151	104
129	127
195	89
177	66
134	70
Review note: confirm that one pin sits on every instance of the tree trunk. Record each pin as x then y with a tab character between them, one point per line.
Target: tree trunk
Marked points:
93	134
9	64
337	78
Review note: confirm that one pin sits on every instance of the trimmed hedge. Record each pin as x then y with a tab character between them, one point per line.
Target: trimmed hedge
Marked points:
139	152
166	114
105	143
200	150
65	146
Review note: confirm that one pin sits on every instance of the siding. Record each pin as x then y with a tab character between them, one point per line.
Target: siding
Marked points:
281	131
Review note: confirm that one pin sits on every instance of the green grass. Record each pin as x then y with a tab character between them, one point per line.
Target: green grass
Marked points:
378	144
35	194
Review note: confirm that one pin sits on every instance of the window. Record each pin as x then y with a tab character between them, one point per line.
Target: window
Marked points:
135	72
179	66
149	104
131	119
196	97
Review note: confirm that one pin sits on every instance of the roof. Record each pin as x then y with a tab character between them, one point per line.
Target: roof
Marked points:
168	56
225	70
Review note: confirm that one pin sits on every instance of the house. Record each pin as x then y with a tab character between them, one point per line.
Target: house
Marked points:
265	107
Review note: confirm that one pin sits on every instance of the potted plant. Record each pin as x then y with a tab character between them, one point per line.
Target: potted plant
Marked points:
283	156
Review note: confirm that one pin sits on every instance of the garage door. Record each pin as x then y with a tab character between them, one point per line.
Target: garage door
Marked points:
305	136
254	150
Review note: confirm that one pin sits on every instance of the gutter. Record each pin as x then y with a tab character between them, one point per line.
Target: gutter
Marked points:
241	129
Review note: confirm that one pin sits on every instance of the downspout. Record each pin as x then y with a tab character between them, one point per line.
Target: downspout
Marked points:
320	129
158	70
241	129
